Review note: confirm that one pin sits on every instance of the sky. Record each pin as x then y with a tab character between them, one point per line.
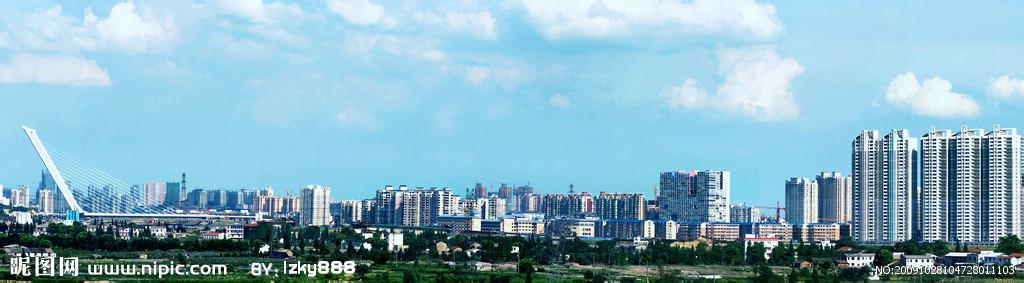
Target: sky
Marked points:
357	94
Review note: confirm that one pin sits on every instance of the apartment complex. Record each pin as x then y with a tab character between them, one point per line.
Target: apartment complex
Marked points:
971	185
412	207
620	206
885	187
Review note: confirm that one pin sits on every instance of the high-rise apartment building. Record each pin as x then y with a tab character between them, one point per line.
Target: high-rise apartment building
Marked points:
479	191
315	206
412	207
801	201
885	188
698	196
197	198
971	185
492	207
566	205
349	212
44	198
276	205
620	206
519	195
154	193
1002	202
744	213
19	197
834	197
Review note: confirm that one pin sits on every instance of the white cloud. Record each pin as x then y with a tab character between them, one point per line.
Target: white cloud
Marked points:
478	24
756	85
54	70
934	97
391	45
686	96
559	101
126	29
1005	86
477	75
352	118
257	11
433	55
361	12
614	18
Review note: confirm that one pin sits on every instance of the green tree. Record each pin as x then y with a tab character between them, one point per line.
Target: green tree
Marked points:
1010	244
883	257
526	266
765	274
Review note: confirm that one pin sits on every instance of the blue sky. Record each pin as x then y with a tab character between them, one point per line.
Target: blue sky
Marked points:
355	94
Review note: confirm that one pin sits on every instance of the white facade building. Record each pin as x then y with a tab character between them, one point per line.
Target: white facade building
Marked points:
971	185
884	186
834	198
856	260
801	201
315	207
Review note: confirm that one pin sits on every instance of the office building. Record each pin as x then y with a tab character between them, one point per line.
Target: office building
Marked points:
315	206
801	201
217	199
173	195
620	206
885	188
695	196
834	197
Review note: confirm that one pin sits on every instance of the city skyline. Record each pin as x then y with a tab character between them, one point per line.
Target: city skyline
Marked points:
305	93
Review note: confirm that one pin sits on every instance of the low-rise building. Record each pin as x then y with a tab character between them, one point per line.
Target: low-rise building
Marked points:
666	229
919	261
721	231
627	228
857	260
960	258
817	232
783	231
573	228
459	223
522	226
214	235
769	244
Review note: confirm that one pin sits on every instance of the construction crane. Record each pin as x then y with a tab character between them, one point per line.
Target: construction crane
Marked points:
778	210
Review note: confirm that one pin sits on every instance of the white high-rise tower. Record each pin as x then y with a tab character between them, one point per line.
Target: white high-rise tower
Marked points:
801	201
885	189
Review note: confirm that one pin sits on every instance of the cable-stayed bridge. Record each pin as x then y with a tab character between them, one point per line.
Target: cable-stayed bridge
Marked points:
82	189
